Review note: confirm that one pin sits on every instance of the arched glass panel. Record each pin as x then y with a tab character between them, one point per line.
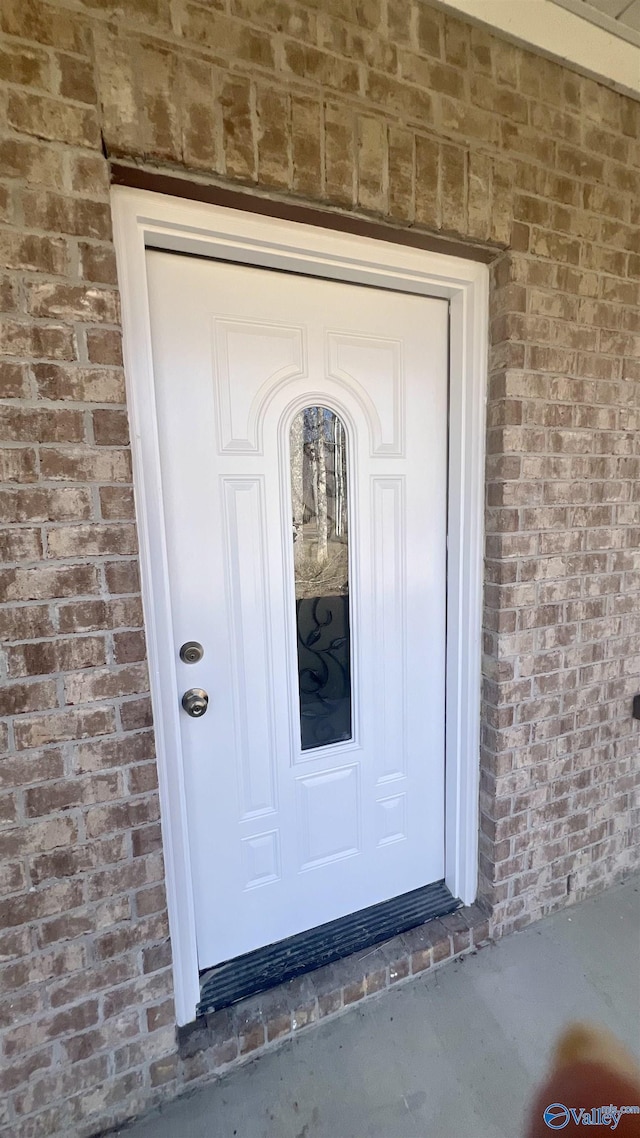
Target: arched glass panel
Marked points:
321	564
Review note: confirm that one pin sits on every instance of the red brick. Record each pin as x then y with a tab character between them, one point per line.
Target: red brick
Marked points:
116	503
309	62
430	29
426	188
121	815
91	540
32	161
273	136
42	23
85	464
52	119
306	151
401	166
120	879
453	181
70	862
46	582
21	1070
456	41
25	622
86	385
372	163
73	302
157	957
143	778
353	992
31	425
20	545
83	616
88	173
12	880
32	906
14	381
38	730
146	840
125	612
111	428
151	901
105	683
129	647
37	504
201	141
55	797
38	836
104	753
164	1014
104	346
339	149
329	1003
18	464
53	342
136	714
32	252
98	262
43	657
118	941
76	79
122	577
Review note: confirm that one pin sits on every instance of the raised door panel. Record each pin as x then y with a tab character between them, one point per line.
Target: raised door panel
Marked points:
372	367
263	356
389	623
328	814
247	587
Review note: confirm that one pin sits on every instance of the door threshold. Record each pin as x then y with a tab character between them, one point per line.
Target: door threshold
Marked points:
267	967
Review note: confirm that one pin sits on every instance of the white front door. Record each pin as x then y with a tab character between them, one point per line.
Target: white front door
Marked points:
303	440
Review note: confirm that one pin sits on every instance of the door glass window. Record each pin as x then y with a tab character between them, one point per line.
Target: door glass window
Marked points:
321	565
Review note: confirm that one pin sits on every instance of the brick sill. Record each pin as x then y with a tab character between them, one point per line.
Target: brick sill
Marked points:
230	1036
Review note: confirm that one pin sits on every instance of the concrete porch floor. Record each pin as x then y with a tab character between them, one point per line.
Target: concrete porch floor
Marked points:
456	1052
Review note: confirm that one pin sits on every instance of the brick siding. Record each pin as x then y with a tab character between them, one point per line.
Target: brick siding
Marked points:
404	115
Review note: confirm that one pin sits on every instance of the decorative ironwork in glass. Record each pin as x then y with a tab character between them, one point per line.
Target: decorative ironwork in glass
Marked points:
321	564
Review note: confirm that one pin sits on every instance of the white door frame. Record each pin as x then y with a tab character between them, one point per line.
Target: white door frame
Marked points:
144	219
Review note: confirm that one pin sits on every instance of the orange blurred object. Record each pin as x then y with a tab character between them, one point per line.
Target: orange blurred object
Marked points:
590	1072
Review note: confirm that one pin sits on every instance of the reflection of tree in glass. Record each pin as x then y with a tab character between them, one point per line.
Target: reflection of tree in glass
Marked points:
319	503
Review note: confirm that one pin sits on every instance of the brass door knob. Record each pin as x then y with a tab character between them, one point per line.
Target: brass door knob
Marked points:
195	702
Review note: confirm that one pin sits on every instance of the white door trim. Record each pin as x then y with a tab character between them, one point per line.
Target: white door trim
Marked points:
144	219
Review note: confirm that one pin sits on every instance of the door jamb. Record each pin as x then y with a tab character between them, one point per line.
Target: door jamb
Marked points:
143	219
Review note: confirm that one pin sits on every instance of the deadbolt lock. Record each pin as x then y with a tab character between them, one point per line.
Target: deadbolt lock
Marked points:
195	702
191	652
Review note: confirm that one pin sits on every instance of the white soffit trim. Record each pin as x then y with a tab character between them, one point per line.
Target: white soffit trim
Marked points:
601	13
559	34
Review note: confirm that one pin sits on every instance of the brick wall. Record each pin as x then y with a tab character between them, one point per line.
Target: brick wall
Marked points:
408	116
